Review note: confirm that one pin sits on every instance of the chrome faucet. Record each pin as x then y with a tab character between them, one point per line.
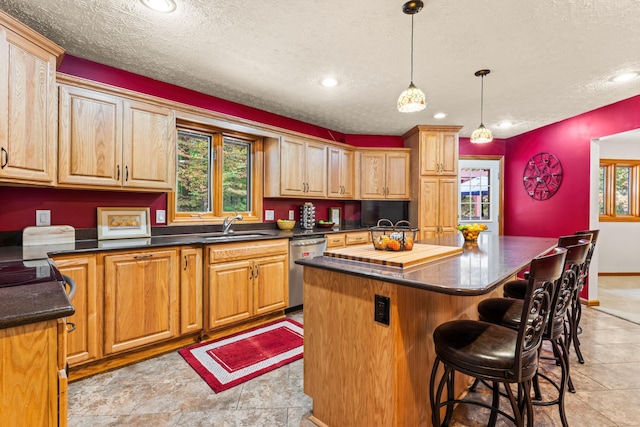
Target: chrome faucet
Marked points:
226	224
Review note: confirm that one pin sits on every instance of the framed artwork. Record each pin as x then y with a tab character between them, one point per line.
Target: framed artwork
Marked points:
335	215
123	223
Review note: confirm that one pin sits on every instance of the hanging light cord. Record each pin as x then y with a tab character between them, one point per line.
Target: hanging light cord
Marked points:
482	100
412	47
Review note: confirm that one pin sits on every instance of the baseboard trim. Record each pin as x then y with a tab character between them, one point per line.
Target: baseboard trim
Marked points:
619	274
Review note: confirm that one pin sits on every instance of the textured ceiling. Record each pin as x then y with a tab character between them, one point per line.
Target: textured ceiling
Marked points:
549	59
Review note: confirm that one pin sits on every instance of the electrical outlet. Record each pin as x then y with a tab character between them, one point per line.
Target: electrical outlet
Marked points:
291	214
269	215
381	308
43	218
161	216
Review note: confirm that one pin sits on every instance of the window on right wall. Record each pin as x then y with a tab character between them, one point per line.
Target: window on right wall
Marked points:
619	190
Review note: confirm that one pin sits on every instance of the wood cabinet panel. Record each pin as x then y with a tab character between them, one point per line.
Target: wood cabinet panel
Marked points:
384	175
340	173
336	240
245	280
191	290
110	141
28	100
29	378
268	291
149	143
84	343
438	207
438	152
140	299
90	138
229	293
295	167
358	238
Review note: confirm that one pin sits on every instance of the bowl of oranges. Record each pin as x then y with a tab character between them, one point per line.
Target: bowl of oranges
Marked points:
471	231
387	236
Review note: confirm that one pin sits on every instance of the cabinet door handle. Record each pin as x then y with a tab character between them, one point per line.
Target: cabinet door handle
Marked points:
71	327
186	263
257	272
251	274
118	174
6	158
126	173
143	256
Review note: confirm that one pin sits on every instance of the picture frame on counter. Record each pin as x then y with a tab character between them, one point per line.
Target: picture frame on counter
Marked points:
123	223
335	216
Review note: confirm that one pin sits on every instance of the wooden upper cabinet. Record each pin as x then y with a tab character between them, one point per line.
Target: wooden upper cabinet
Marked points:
110	141
295	167
28	104
340	173
384	174
438	152
149	146
90	141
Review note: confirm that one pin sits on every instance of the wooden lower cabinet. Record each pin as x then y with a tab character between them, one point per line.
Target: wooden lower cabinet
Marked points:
141	299
33	382
84	342
190	289
245	281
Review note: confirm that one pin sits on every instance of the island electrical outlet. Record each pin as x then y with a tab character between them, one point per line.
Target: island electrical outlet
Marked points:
382	305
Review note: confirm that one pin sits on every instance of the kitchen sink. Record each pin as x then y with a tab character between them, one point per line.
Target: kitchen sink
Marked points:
219	237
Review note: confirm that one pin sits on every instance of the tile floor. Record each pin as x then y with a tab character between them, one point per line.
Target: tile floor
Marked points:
620	296
165	391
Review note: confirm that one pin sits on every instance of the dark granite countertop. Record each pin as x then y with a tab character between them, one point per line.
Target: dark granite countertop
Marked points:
33	303
479	269
8	253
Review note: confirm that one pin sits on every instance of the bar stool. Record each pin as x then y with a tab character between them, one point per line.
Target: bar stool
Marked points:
495	353
516	288
507	312
576	308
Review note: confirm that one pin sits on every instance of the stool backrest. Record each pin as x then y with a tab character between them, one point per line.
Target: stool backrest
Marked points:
594	239
544	276
561	301
566	241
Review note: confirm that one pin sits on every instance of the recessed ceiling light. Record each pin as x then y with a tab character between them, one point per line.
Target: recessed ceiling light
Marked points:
165	6
329	82
505	124
439	115
625	77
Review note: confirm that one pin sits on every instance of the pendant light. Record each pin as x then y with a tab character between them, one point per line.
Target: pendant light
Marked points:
412	99
482	135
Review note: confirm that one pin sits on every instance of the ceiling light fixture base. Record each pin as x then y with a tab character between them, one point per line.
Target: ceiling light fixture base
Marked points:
412	7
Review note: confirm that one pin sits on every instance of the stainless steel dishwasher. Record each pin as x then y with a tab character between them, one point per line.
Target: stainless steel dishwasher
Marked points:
300	248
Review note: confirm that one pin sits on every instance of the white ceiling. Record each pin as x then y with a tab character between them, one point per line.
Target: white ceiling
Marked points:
549	59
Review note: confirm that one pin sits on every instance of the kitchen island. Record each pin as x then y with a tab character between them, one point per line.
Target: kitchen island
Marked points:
360	371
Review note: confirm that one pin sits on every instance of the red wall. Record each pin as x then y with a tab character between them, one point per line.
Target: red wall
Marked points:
570	141
494	148
68	207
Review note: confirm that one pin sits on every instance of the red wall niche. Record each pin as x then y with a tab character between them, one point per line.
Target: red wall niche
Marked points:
570	140
68	207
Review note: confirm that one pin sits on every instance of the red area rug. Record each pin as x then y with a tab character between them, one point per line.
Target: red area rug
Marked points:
229	361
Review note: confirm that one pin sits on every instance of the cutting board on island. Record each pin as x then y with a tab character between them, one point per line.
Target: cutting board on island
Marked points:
421	253
48	235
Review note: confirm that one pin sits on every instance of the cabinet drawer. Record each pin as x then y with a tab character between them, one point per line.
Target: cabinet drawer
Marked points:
242	250
336	240
358	238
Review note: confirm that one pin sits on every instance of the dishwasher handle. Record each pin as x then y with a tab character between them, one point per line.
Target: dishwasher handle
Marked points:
71	284
310	242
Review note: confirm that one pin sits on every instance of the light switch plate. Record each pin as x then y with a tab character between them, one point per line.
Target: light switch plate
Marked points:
43	218
269	215
291	214
161	216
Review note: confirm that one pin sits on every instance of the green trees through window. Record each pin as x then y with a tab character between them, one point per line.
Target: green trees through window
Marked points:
215	174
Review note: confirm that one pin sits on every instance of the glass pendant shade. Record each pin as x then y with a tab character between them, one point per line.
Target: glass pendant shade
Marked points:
411	100
482	135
